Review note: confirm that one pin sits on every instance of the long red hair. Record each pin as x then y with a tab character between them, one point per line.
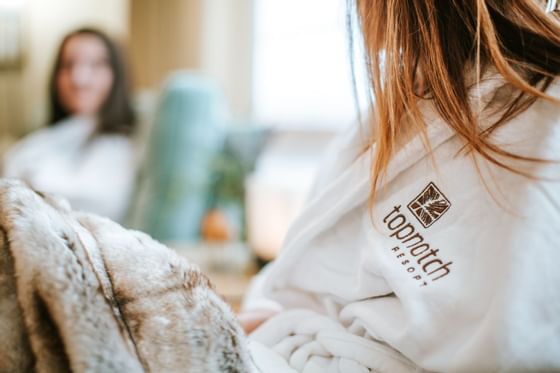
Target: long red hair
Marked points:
430	49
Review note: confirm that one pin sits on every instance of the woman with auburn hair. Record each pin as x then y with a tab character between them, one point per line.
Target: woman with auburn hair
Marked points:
86	153
431	239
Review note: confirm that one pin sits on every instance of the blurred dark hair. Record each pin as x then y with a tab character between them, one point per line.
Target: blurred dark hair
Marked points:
116	114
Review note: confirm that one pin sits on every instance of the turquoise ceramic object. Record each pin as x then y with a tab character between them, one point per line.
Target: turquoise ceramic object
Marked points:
175	181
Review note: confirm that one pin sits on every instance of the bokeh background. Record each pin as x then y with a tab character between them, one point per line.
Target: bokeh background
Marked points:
236	99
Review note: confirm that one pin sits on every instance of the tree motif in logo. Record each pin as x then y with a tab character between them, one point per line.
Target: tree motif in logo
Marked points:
429	205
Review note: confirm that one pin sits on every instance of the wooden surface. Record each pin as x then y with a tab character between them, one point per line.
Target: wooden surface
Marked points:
230	267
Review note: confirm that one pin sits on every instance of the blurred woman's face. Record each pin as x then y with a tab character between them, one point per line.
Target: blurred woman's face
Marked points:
85	77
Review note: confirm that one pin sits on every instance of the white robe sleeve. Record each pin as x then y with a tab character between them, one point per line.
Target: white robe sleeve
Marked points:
338	155
255	299
95	175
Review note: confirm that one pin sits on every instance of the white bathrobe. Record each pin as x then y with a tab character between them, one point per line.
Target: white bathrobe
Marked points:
96	174
451	272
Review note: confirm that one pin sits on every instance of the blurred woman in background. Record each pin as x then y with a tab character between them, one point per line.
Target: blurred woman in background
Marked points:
86	154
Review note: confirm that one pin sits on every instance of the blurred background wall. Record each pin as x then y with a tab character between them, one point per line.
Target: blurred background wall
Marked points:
211	36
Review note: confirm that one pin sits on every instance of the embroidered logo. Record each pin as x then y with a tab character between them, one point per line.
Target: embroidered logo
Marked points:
429	205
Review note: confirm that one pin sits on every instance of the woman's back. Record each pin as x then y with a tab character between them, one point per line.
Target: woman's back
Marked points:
484	244
453	270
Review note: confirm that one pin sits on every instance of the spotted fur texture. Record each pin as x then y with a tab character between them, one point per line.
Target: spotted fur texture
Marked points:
80	293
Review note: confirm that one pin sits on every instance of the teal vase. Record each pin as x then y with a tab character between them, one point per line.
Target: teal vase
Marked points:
175	180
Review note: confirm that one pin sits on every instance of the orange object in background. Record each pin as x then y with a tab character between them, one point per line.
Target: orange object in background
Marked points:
216	226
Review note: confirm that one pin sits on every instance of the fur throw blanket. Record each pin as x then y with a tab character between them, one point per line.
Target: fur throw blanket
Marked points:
80	293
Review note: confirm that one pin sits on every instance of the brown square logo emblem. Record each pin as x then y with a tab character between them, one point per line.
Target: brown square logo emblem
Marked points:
429	206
